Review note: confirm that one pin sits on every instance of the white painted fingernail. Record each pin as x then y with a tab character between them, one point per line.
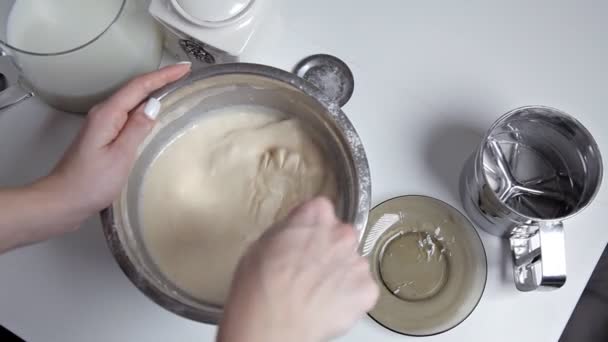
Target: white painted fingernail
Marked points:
184	63
152	108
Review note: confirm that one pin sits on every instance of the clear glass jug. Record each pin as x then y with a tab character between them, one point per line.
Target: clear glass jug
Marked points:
74	53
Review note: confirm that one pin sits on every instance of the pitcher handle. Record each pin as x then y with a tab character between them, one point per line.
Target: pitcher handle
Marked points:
12	95
12	91
539	256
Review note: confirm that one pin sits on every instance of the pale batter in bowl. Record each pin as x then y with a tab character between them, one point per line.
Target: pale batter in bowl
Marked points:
217	187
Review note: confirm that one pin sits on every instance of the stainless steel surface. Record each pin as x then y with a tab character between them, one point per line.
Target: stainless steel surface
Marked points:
329	74
191	98
531	245
536	167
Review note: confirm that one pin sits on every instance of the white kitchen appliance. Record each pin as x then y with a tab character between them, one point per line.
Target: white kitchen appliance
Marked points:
208	32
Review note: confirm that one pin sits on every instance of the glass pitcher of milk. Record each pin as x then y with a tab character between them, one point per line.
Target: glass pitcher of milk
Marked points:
75	53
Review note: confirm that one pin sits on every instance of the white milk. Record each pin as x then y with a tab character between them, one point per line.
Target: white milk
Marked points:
76	81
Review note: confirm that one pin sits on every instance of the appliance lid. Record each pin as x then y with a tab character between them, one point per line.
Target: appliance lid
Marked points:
212	13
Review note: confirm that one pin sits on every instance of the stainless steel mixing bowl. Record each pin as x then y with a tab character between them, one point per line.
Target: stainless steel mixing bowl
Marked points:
192	98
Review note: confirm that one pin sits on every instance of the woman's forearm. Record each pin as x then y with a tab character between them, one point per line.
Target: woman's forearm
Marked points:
92	172
36	212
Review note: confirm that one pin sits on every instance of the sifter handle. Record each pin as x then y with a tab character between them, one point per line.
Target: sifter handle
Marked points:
539	256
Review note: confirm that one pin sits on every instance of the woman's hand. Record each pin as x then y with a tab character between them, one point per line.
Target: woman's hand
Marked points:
92	172
303	281
96	166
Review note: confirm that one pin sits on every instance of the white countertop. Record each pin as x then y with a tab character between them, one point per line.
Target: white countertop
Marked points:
431	77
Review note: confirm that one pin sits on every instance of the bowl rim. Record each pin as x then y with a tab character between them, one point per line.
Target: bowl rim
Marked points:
549	112
352	141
